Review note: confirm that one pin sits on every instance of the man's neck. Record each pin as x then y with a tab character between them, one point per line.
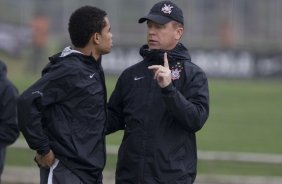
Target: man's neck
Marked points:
88	52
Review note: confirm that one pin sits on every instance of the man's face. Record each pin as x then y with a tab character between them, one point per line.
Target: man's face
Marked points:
106	38
163	36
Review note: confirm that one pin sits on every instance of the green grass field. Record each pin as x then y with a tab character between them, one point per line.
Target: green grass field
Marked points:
245	116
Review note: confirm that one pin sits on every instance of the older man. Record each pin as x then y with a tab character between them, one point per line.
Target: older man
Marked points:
160	103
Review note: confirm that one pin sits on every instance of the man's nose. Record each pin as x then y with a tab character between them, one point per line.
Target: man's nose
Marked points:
151	31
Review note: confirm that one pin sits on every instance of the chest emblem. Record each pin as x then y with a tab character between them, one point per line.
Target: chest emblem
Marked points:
175	71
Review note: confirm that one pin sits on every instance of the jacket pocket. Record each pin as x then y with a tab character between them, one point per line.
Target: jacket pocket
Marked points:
177	158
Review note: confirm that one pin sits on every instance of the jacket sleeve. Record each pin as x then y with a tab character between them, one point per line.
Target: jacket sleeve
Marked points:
115	114
8	115
49	89
190	107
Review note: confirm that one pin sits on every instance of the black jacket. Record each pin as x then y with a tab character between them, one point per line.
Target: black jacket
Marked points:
8	114
159	144
65	110
8	109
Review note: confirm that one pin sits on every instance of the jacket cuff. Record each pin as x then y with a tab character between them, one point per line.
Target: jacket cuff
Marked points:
170	89
44	151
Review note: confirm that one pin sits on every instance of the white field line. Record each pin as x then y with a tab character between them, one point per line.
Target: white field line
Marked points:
240	157
203	155
226	156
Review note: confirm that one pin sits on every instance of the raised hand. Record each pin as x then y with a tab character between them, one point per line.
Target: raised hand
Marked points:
162	73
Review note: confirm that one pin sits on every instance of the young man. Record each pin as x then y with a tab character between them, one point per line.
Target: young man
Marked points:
8	114
63	115
160	103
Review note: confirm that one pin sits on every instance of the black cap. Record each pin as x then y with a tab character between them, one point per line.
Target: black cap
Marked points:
164	12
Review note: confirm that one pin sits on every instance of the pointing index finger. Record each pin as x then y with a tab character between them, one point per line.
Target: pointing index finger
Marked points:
165	61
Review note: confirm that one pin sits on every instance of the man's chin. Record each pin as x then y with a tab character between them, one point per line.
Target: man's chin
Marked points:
153	46
106	52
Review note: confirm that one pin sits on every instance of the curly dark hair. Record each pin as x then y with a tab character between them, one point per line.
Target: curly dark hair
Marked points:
84	22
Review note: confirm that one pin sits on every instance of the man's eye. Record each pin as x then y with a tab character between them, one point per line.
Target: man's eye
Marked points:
159	26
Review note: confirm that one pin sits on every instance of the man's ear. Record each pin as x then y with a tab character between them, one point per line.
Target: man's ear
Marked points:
96	38
179	32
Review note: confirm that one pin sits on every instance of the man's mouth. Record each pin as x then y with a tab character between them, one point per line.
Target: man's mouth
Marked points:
152	41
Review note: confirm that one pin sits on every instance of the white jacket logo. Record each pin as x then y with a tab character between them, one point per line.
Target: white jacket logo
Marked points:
167	9
176	70
92	75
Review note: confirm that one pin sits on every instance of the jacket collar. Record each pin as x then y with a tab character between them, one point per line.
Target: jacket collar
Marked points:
155	56
68	52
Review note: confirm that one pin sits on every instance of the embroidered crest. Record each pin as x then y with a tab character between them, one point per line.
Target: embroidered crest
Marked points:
175	71
167	8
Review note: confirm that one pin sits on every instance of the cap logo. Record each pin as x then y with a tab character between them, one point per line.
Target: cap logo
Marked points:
167	8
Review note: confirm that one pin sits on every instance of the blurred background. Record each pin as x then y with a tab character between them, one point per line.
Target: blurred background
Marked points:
228	38
236	42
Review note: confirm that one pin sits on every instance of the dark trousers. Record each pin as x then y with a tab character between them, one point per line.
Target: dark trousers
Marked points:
60	175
